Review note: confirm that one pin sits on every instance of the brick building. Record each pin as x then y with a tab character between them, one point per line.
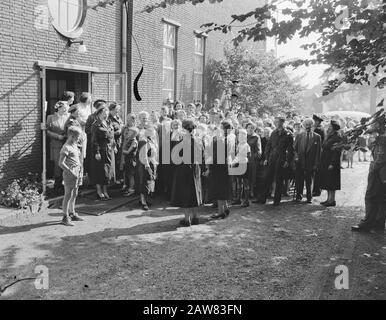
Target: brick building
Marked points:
38	61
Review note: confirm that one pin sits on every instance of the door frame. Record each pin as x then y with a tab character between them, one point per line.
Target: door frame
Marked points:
44	66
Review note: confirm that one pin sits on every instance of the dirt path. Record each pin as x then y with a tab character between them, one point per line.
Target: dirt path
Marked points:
263	252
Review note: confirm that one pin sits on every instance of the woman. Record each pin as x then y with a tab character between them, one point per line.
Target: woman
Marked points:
103	160
57	133
220	188
330	166
117	123
186	190
147	165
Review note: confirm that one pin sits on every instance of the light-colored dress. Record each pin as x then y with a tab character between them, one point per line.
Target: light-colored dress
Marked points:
56	130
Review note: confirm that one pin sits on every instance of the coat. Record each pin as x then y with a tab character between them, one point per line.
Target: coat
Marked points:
308	156
102	141
330	179
280	147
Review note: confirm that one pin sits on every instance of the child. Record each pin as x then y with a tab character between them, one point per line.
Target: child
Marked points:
254	142
242	173
70	162
128	163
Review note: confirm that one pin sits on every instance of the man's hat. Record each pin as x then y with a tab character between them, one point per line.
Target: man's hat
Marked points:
317	118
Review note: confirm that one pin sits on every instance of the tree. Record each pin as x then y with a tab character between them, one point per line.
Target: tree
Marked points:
259	80
352	39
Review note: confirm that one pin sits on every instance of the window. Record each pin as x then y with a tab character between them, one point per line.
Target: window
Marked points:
199	58
68	16
169	62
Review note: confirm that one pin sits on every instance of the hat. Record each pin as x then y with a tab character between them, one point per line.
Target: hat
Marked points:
335	124
73	108
317	118
59	105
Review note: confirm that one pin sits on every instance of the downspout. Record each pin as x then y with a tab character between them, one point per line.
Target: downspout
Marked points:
124	54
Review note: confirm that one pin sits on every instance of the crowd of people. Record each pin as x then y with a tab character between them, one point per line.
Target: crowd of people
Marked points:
220	156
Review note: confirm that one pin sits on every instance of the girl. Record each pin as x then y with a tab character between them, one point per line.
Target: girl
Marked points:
70	162
241	163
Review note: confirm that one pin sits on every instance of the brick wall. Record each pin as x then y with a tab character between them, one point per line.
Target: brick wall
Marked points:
148	30
21	45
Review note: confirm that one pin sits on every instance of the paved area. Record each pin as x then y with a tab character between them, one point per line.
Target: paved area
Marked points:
262	252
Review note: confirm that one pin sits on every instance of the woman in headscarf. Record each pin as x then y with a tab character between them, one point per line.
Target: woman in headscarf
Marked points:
57	134
330	166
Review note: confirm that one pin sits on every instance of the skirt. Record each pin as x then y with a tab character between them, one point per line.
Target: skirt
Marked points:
184	193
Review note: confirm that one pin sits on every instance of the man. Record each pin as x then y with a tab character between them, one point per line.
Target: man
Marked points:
375	199
308	147
316	192
216	105
279	153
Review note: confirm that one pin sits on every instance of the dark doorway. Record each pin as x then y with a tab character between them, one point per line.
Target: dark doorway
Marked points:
57	82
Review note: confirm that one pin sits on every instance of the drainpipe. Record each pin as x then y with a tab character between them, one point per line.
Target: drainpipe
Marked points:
124	53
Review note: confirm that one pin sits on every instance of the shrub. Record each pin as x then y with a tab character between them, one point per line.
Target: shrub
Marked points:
23	193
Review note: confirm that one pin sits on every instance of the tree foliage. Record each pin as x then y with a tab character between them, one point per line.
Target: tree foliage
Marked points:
259	80
352	37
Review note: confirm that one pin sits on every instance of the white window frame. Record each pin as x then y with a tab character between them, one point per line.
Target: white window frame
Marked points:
175	25
196	73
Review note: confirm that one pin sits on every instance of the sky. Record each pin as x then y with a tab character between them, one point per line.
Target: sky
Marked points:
292	49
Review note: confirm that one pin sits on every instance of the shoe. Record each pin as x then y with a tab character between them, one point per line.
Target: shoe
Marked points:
359	228
245	204
67	222
276	204
218	216
298	200
227	212
309	201
75	217
214	206
101	198
236	203
184	223
145	207
108	198
195	221
324	202
330	204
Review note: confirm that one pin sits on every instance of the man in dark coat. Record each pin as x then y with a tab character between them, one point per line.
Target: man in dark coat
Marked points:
316	192
307	157
279	153
375	199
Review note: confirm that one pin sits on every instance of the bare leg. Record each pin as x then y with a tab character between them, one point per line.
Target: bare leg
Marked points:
71	205
99	190
105	192
65	204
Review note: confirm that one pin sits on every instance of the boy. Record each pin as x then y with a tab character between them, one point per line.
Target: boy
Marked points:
128	163
70	162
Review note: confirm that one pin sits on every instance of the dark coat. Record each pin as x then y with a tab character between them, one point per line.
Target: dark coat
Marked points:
330	179
320	131
308	156
280	147
102	141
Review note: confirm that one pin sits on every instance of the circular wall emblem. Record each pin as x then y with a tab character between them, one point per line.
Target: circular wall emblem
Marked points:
68	16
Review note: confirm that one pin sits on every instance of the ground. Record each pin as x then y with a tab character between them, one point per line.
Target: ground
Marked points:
262	252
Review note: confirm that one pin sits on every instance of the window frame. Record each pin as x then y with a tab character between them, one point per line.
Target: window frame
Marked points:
77	31
196	73
165	45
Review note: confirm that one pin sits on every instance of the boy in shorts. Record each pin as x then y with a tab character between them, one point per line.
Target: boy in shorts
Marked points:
70	162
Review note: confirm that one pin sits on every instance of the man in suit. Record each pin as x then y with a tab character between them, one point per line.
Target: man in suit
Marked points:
316	192
308	146
279	154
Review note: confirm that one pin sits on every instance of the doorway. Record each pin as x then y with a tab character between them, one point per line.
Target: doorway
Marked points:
57	82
